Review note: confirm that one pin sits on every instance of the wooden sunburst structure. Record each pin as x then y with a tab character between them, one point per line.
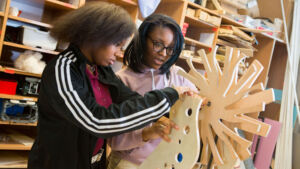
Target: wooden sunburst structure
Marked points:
234	104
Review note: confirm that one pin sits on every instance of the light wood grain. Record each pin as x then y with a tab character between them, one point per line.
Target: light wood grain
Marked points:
186	143
60	5
10	70
17	97
15	45
25	20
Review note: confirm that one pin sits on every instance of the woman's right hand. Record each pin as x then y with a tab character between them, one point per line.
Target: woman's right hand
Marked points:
160	129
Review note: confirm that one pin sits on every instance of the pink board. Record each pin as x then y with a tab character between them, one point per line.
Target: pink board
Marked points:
254	144
267	145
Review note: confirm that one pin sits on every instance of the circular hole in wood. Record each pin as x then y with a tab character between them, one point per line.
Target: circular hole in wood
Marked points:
189	112
186	130
208	103
173	166
179	157
166	165
179	141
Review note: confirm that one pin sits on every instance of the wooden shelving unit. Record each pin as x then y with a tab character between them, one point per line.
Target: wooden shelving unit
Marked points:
29	21
1	13
17	97
15	45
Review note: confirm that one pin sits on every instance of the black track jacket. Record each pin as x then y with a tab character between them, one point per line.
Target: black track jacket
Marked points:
70	120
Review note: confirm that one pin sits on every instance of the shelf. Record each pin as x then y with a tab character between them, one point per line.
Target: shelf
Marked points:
15	146
194	5
124	2
59	5
13	159
14	140
29	21
17	124
18	97
30	48
192	21
197	43
10	70
270	37
227	20
1	13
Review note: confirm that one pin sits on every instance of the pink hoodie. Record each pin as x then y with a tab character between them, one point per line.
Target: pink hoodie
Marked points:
130	146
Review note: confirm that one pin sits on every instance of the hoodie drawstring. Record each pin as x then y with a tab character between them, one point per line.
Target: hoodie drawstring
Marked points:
153	80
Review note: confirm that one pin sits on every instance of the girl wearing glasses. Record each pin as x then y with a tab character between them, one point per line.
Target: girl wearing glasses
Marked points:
149	60
82	101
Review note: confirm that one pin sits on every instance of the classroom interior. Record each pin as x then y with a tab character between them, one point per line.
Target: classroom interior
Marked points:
266	32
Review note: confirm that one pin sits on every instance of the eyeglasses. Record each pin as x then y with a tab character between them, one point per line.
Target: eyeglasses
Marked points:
158	47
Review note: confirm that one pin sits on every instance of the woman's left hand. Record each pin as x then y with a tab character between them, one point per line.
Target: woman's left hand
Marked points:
160	129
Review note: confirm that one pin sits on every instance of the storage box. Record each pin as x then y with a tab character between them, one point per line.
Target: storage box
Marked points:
190	12
13	110
8	86
36	38
18	111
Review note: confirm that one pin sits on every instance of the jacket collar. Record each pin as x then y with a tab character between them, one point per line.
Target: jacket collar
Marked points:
105	73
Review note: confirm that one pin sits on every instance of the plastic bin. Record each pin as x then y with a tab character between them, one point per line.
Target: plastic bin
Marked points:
8	86
38	39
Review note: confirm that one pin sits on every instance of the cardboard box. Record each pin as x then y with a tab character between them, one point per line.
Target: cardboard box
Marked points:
225	31
201	15
214	20
190	12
